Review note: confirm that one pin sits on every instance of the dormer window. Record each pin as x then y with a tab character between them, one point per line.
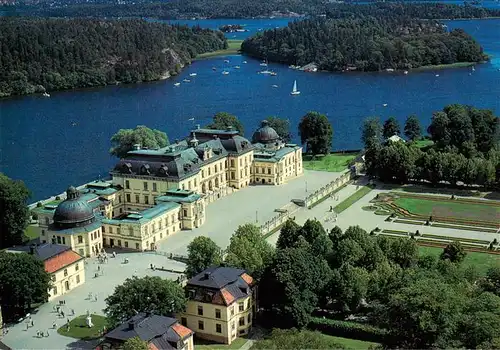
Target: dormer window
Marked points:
163	170
145	169
127	168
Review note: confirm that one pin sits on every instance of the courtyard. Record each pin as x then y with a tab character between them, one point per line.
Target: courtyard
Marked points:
254	204
114	273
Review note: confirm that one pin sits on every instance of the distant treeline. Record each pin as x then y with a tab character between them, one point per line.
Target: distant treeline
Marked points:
366	44
56	54
175	9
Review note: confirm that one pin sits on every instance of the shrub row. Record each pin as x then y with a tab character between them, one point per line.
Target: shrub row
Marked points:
348	329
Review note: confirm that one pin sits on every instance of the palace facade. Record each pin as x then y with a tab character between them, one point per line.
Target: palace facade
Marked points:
155	193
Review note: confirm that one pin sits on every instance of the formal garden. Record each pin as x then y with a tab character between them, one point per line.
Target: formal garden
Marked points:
78	327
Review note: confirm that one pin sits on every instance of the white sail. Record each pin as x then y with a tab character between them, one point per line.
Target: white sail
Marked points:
294	90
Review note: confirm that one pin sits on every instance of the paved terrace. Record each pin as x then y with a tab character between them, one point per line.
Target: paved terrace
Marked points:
248	205
114	273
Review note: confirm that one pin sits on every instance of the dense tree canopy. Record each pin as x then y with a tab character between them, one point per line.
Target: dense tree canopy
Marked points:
224	120
135	343
391	128
14	211
24	282
454	252
249	250
413	130
125	140
281	126
202	253
316	133
150	293
57	54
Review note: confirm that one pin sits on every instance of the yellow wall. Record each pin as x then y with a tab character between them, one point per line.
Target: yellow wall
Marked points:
75	276
239	170
91	242
229	316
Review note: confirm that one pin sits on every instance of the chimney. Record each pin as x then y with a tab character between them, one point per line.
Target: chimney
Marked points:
131	325
32	249
137	146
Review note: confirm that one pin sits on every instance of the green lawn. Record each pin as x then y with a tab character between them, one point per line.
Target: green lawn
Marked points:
31	232
203	344
449	209
351	343
356	196
79	330
330	162
423	143
482	261
446	66
234	47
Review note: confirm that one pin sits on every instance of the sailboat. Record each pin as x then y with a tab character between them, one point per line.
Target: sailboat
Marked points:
46	94
294	90
264	63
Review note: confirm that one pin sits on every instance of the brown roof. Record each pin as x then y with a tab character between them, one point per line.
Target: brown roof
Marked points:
247	278
151	346
62	260
227	296
181	330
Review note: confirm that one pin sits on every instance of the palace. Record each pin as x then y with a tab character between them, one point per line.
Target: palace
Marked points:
155	193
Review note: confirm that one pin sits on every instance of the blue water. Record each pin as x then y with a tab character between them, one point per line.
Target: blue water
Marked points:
40	145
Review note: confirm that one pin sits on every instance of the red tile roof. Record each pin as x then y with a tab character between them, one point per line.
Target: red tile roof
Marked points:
181	330
151	346
227	296
62	260
247	278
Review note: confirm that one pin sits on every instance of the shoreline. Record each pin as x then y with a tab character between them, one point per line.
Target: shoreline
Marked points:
234	48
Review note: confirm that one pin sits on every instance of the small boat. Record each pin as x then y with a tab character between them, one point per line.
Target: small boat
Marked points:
191	119
46	94
225	72
437	75
245	62
73	124
213	68
385	105
405	72
186	80
237	67
294	90
226	61
473	69
263	64
192	74
275	86
265	72
274	74
177	84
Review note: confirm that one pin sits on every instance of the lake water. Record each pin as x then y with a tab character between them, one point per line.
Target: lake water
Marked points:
52	143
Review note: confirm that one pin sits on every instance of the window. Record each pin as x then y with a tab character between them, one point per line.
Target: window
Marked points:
184	321
200	310
154	187
81	252
128	197
242	321
59	239
54	291
241	306
137	199
80	239
126	244
127	184
233	325
137	246
63	240
145	186
77	279
43	232
232	175
146	199
218	328
232	311
119	198
77	267
217	313
249	319
47	221
119	243
53	278
232	162
269	171
104	229
185	212
201	326
65	272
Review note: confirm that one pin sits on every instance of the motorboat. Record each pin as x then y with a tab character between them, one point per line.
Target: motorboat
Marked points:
177	84
192	74
186	80
225	72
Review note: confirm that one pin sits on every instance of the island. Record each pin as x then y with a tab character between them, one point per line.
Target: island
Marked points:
41	55
231	28
365	43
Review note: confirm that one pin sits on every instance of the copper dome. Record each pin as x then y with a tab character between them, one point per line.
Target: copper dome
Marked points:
265	134
74	211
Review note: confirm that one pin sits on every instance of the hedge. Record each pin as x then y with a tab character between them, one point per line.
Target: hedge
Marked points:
348	329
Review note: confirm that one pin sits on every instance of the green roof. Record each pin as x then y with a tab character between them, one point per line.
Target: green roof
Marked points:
145	215
179	196
276	156
81	229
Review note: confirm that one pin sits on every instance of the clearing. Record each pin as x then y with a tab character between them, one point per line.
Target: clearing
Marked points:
335	162
233	48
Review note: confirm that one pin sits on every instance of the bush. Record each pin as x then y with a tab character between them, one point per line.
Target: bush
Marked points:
495	241
34	216
58	198
417	233
39	205
348	329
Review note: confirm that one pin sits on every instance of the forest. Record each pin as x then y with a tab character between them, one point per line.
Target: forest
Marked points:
365	44
38	55
177	9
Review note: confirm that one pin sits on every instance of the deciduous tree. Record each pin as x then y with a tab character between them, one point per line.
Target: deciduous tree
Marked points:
202	253
125	139
289	234
150	293
454	252
14	211
24	282
413	130
281	126
135	343
391	128
316	133
249	250
371	132
224	120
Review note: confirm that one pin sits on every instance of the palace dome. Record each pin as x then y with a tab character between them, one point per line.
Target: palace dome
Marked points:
74	211
265	134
